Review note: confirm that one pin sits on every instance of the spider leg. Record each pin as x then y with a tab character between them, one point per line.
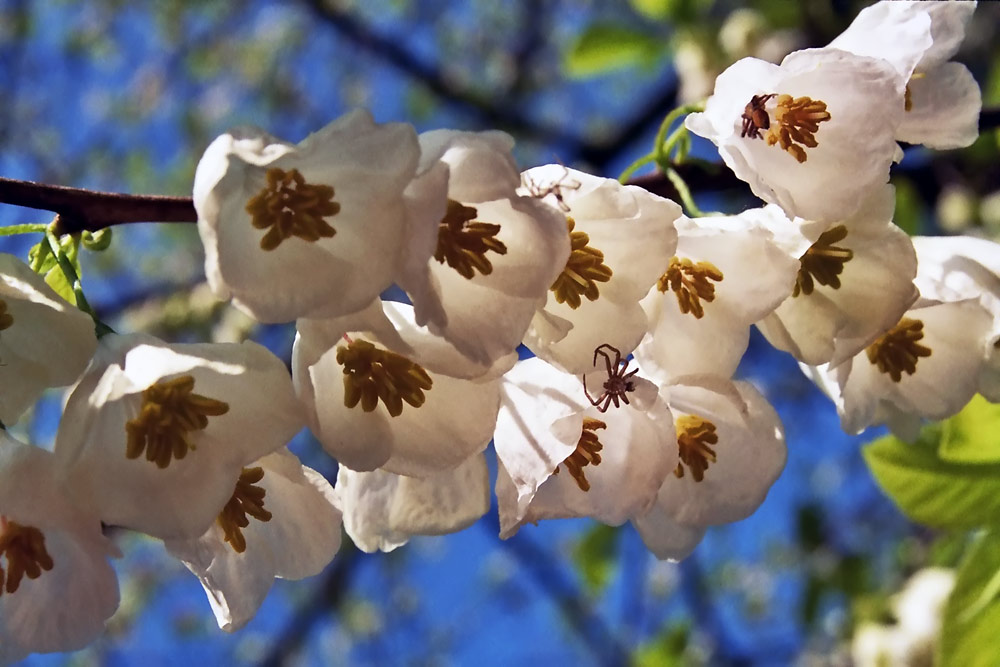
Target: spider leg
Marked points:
607	402
630	373
625	398
607	359
589	397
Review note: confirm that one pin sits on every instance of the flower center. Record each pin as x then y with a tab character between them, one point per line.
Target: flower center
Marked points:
24	548
169	412
898	350
796	121
584	269
288	206
463	244
371	374
694	435
6	319
691	283
247	499
823	262
586	453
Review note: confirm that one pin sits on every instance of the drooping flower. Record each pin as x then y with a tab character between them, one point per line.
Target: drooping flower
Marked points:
620	237
563	454
57	587
942	99
156	434
815	135
854	282
727	274
731	448
381	392
281	521
313	229
382	510
44	341
480	256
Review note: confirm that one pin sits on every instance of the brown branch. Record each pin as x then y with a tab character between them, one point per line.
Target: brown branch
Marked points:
80	209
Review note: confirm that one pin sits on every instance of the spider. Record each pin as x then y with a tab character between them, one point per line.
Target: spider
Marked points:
618	384
555	188
755	117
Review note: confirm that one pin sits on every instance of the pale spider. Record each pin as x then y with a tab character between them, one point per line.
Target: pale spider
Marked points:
555	188
617	386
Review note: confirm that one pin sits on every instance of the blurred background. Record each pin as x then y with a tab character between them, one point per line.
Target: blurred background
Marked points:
125	96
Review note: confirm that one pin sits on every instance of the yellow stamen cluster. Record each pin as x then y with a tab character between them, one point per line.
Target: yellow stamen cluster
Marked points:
897	351
694	435
247	499
584	269
823	262
586	453
691	283
796	122
463	244
169	412
24	548
288	206
371	374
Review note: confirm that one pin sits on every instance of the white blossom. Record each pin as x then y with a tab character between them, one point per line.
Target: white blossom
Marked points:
621	237
312	229
156	434
479	256
44	341
382	510
291	531
560	456
815	135
57	587
942	98
381	392
727	274
855	281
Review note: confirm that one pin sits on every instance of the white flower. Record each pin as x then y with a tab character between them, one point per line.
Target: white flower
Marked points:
621	237
281	520
382	510
927	366
560	456
57	587
732	449
313	229
480	257
943	100
727	274
156	434
44	341
382	392
814	135
854	283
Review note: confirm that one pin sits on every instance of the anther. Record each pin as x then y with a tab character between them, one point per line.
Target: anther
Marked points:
247	499
372	374
586	453
796	122
24	548
463	244
897	351
288	206
691	283
694	435
823	262
584	269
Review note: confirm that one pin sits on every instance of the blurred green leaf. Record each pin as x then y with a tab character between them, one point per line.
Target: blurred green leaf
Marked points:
665	650
973	435
594	556
909	207
656	10
972	615
931	491
604	47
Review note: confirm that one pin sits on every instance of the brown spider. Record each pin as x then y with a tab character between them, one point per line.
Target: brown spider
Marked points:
755	117
617	386
555	188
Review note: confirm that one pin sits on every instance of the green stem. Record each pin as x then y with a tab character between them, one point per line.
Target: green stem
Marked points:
661	136
685	193
66	266
38	228
634	167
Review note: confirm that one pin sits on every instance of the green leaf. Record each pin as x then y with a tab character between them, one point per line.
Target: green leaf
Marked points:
910	209
972	615
56	279
604	47
665	650
973	435
594	556
655	10
931	491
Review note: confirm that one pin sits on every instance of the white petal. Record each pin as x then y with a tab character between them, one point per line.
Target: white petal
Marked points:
666	537
945	112
382	510
482	167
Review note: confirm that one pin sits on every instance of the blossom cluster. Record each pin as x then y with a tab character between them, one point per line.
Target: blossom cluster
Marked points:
636	317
